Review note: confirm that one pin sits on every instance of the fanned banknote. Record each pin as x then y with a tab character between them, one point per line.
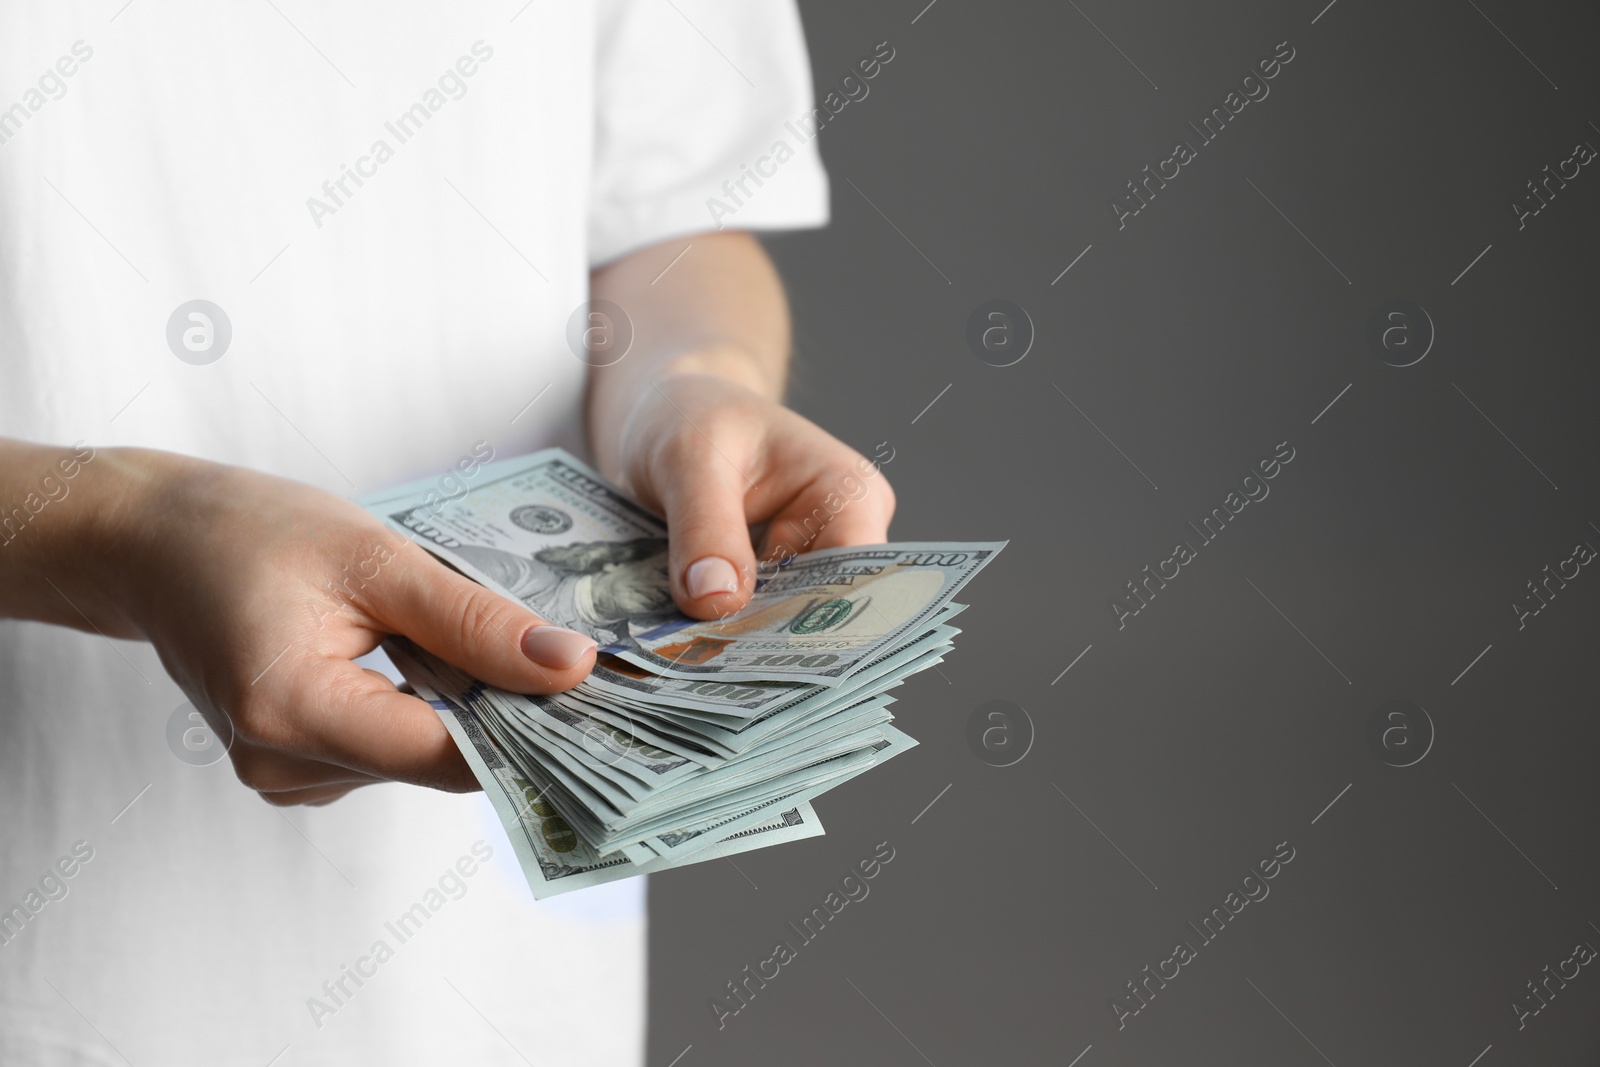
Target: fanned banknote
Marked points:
690	740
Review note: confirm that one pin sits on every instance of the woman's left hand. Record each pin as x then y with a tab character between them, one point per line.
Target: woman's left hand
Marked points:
717	458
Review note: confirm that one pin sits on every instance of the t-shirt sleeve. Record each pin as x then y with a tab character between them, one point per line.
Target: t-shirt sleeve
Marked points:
702	122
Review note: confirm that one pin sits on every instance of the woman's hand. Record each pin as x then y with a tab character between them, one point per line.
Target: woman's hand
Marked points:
717	458
690	421
258	592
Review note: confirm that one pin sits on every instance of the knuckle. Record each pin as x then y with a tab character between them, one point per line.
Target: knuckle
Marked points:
253	769
249	722
715	431
481	619
887	488
258	725
681	446
873	482
303	797
286	720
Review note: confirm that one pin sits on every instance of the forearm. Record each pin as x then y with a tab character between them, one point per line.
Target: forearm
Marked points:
718	310
60	508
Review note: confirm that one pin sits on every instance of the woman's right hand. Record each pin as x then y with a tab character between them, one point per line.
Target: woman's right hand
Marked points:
258	592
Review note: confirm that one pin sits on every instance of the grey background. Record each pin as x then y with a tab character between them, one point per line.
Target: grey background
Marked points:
1211	728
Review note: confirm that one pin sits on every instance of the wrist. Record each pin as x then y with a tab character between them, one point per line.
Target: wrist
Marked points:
663	394
731	362
104	556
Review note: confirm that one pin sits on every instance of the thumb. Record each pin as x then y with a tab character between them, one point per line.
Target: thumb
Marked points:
710	559
491	637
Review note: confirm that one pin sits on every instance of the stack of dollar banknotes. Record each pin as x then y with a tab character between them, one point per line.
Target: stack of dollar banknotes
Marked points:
690	740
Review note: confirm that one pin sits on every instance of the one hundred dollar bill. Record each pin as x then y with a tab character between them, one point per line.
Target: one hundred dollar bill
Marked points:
690	739
554	858
548	531
819	618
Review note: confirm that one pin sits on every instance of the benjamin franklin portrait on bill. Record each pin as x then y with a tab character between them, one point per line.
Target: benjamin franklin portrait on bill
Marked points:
609	590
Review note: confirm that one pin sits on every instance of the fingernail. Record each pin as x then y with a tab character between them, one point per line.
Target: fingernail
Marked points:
555	647
712	574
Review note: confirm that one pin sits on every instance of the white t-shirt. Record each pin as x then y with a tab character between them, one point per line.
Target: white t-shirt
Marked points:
395	206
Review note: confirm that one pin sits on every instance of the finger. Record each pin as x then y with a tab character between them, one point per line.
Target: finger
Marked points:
270	771
315	797
366	725
709	555
491	637
833	511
